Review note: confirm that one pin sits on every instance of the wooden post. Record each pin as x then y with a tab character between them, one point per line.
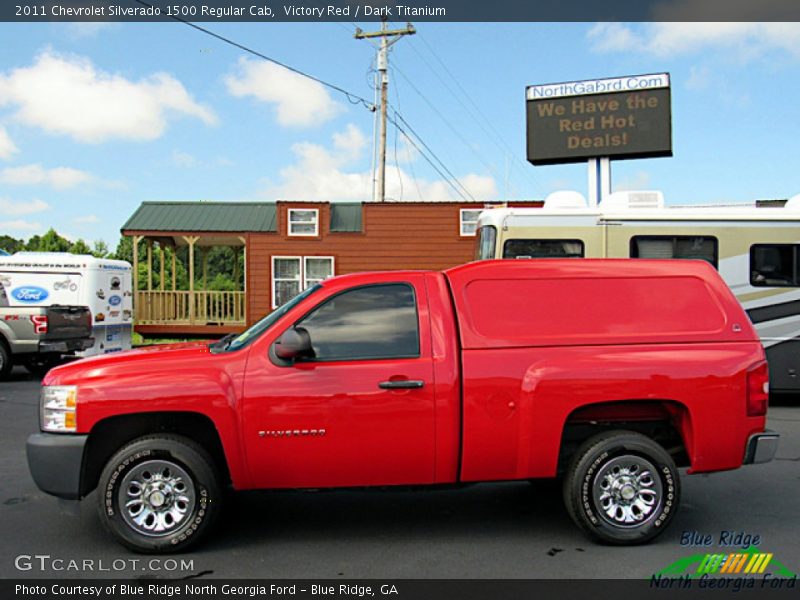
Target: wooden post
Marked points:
235	265
204	259
174	267
163	272
136	240
149	265
190	240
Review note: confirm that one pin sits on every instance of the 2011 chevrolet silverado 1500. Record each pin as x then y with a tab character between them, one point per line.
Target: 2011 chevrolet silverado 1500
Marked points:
608	373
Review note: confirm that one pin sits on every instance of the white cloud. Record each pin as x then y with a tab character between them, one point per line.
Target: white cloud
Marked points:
7	146
59	178
183	159
299	101
87	29
10	208
67	95
699	78
745	40
19	225
321	173
86	220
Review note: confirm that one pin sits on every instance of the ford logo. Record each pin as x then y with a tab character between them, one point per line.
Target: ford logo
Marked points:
114	300
29	294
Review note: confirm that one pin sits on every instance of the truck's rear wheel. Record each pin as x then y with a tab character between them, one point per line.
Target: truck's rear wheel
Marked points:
5	360
159	494
622	488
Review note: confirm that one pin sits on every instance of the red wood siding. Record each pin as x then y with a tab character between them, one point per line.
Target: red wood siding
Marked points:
395	236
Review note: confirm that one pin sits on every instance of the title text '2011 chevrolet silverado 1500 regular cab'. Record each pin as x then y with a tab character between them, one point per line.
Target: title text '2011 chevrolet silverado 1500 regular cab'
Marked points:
608	373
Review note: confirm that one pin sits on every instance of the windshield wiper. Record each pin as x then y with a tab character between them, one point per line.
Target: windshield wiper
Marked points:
222	344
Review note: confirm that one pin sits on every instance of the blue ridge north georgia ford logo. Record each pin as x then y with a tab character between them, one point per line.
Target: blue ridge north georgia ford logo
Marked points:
29	294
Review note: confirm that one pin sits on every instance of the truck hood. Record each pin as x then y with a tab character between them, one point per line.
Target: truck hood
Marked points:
142	359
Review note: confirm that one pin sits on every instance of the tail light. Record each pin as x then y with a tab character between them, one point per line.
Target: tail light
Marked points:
757	390
39	324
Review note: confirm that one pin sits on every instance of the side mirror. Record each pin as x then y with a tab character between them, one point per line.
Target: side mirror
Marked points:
294	343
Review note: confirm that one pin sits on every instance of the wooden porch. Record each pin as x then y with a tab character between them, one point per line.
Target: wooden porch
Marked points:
194	312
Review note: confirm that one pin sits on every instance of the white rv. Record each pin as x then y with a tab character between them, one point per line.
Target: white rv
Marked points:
104	285
755	249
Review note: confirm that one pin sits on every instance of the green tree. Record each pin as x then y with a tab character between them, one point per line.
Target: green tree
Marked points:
80	247
10	244
49	242
100	249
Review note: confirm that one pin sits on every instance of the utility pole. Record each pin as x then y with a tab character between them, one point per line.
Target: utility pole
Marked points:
388	37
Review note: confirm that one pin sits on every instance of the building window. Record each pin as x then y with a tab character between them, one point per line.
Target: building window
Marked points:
469	220
675	246
293	274
543	249
304	221
774	265
367	323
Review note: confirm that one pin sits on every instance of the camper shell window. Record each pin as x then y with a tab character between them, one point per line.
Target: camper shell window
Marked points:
543	249
774	265
696	247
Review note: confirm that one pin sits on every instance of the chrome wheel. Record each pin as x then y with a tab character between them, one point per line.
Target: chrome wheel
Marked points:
156	497
627	491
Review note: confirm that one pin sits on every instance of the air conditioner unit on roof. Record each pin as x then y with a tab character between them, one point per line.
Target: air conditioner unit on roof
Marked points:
633	200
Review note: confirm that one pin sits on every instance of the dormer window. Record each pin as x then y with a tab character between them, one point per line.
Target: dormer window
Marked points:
304	222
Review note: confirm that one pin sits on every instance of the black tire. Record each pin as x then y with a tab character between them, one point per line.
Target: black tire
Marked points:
185	515
5	360
607	469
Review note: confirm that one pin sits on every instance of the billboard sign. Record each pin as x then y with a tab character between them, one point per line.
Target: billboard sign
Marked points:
621	117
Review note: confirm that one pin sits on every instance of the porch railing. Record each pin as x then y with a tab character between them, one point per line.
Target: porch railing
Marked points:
190	308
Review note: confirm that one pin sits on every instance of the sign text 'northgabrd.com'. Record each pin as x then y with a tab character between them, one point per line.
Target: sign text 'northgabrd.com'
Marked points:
621	117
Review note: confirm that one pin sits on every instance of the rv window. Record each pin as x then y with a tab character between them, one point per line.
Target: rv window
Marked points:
675	246
774	265
543	249
484	247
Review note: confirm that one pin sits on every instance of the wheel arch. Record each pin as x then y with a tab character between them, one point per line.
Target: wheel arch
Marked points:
667	422
109	435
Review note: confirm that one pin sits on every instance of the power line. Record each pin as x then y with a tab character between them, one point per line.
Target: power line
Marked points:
427	159
433	154
452	127
497	139
351	97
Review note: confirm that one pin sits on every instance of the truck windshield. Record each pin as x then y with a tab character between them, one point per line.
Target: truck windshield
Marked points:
261	326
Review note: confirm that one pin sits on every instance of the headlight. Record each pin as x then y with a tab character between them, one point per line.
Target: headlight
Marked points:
58	405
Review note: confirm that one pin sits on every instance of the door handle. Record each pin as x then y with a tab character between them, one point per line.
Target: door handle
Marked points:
402	384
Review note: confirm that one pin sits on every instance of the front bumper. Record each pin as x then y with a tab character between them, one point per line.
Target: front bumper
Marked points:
761	448
56	461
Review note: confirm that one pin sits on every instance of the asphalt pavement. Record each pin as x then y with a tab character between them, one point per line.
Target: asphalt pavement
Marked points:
509	530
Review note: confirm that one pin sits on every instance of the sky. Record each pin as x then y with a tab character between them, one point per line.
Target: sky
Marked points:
97	118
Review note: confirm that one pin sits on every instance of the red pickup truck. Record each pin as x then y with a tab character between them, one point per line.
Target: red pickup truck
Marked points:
608	373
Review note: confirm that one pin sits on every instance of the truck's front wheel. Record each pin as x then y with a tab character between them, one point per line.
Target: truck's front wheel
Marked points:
622	488
159	493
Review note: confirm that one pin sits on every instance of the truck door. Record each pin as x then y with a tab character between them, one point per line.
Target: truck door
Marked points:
361	411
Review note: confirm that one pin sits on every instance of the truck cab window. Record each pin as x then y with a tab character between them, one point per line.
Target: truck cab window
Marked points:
774	265
543	249
372	322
